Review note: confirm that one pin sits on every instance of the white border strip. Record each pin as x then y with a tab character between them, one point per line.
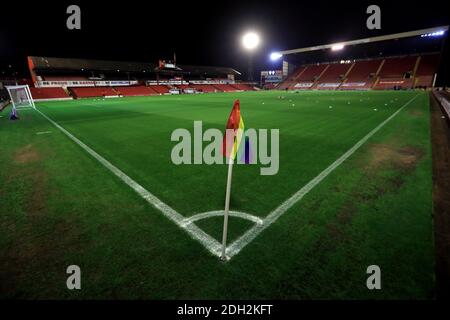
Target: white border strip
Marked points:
252	233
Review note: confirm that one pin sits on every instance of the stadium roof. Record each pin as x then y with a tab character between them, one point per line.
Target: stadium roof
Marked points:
368	40
66	64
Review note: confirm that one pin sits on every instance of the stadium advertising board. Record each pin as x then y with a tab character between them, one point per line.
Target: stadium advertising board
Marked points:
83	83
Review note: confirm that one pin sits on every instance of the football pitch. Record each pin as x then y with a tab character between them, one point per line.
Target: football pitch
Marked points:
91	182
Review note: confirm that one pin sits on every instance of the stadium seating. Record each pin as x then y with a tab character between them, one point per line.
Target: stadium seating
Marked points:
396	73
88	92
48	93
225	87
135	91
332	78
397	67
204	87
160	89
307	77
312	72
290	81
389	73
425	72
242	86
184	86
362	75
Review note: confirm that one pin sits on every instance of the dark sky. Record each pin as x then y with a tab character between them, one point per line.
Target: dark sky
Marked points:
200	32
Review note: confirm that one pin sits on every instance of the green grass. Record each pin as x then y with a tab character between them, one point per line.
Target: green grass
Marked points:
59	206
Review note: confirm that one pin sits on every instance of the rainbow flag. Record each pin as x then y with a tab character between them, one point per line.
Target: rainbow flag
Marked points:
234	132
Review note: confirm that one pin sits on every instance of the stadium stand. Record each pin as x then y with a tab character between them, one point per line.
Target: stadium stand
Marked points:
425	72
307	77
225	87
397	67
184	86
290	81
90	92
361	75
397	72
160	89
242	86
204	87
133	91
96	78
48	93
333	76
403	72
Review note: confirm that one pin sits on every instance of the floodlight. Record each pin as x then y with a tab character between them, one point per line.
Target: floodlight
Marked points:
434	34
336	47
250	40
275	56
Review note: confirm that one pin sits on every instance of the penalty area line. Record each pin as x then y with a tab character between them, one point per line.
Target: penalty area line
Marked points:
253	232
211	244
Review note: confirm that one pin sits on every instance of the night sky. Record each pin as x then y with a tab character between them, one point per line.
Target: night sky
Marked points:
200	32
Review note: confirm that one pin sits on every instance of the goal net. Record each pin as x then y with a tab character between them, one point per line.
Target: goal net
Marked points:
20	97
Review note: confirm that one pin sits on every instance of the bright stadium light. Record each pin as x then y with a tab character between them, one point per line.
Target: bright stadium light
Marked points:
250	40
434	34
337	47
275	56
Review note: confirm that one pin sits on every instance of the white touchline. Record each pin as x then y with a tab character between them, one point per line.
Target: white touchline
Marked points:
187	224
253	232
208	242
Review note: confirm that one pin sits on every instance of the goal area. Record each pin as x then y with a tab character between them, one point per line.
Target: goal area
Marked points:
20	96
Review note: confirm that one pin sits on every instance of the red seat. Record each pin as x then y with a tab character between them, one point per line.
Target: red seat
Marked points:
204	87
242	86
224	87
427	68
133	91
397	67
88	92
362	75
333	76
161	89
48	93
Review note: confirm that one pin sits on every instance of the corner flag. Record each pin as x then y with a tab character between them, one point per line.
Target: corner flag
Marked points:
234	132
231	142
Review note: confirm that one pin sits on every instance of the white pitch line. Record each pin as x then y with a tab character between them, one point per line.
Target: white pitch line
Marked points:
195	232
252	233
43	132
219	213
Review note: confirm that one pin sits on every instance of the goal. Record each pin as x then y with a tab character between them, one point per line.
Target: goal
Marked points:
20	97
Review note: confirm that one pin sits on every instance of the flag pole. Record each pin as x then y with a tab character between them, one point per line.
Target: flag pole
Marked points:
223	257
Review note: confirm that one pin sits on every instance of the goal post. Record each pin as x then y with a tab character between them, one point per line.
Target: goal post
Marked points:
20	97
